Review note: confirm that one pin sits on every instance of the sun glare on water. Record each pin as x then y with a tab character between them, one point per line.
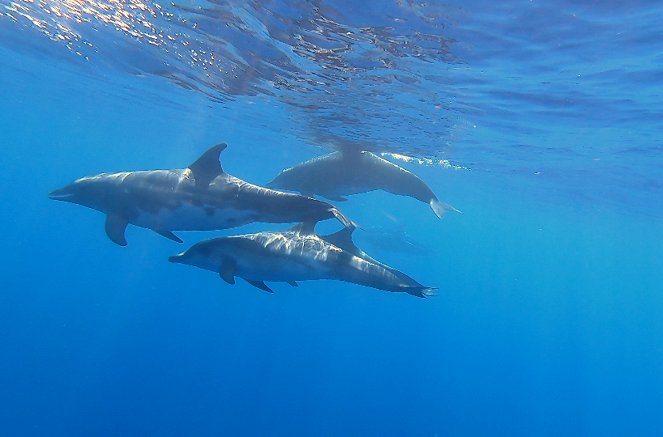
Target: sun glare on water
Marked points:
57	19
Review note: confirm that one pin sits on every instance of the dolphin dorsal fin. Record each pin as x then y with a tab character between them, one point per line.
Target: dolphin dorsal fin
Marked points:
343	240
207	167
305	228
350	151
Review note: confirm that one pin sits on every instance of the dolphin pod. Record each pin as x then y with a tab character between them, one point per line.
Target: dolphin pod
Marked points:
203	197
349	172
296	255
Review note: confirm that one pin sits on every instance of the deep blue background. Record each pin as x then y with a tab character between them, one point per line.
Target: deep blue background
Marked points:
548	319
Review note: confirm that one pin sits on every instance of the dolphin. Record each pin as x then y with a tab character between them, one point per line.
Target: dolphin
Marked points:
350	172
201	197
393	239
296	255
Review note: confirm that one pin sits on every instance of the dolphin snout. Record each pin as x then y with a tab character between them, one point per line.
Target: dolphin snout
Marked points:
176	258
60	194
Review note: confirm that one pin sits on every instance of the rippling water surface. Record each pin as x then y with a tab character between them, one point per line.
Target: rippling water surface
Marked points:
554	90
540	120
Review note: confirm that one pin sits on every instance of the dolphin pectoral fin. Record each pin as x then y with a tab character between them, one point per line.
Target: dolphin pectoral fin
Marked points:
293	283
169	235
227	272
208	167
115	227
261	285
440	208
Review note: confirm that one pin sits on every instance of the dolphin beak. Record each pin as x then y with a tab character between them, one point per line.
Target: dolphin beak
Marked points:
176	258
61	194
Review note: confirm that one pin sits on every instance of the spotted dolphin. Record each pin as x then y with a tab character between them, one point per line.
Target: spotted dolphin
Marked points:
200	197
296	255
349	172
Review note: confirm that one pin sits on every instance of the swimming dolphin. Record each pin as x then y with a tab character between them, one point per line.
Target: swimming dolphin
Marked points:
350	172
393	239
296	255
200	197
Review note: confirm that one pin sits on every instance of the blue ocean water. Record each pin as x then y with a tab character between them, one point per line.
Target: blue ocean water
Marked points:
541	121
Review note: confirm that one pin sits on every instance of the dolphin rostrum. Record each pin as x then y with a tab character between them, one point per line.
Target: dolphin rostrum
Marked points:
296	255
350	172
200	197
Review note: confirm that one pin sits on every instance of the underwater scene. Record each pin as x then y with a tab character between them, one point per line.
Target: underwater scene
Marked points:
331	218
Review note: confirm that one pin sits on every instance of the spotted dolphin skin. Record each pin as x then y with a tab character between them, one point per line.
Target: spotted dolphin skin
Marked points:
200	197
296	255
350	172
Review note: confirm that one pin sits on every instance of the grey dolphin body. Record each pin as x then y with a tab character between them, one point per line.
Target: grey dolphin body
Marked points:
200	197
350	172
394	239
296	255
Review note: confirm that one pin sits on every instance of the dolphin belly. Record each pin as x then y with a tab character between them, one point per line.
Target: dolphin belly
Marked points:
280	270
188	217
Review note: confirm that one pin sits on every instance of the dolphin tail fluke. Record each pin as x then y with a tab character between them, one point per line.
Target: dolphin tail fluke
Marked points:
441	208
423	292
343	219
